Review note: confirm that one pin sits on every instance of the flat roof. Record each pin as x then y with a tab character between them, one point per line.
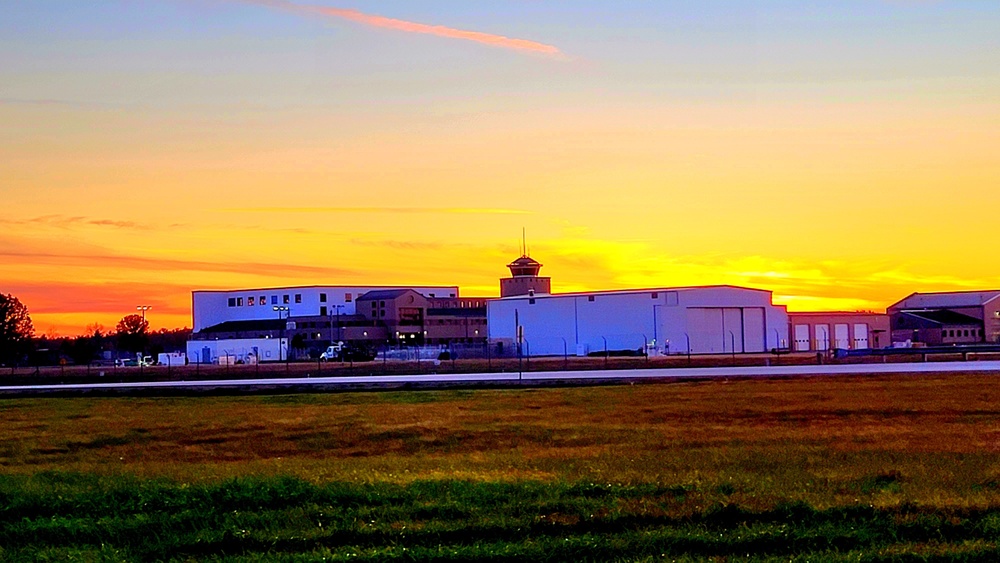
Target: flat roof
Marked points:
833	313
294	287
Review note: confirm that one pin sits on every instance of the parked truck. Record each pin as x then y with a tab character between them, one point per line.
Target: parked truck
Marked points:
344	352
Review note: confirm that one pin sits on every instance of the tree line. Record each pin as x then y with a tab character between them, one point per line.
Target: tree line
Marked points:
20	346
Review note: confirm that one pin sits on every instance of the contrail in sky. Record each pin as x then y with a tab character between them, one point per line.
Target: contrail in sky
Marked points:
413	27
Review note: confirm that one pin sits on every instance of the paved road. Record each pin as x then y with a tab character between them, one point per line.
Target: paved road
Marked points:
508	378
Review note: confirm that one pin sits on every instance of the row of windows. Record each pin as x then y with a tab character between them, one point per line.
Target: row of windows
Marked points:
252	301
950	333
459	322
285	299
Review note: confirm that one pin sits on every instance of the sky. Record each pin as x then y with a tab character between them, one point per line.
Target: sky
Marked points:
842	154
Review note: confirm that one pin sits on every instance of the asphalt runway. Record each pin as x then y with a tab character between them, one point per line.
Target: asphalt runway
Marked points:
508	378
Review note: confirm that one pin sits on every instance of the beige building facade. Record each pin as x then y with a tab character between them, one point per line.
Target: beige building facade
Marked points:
822	331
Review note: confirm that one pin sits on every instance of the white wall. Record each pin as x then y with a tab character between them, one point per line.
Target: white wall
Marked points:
627	320
210	308
268	349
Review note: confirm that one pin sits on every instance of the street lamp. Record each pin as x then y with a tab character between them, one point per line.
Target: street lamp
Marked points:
337	308
281	334
142	309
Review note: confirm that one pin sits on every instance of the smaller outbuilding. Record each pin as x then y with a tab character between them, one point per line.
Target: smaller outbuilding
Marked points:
954	317
822	331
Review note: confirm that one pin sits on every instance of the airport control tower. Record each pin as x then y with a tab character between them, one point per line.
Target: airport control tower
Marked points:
524	278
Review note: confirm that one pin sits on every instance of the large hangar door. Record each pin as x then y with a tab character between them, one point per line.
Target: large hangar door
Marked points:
704	328
732	324
754	339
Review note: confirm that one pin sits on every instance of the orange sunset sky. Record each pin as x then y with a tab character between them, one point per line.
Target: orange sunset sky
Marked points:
841	154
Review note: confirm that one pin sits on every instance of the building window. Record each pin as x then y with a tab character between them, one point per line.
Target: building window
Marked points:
381	313
298	298
590	298
381	303
656	295
322	311
322	298
250	301
274	300
284	299
531	301
348	298
263	300
966	333
239	301
232	301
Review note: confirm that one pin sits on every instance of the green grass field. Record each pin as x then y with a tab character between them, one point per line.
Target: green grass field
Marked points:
810	469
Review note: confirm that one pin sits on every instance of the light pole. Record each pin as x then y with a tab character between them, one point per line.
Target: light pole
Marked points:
281	334
655	331
338	308
142	309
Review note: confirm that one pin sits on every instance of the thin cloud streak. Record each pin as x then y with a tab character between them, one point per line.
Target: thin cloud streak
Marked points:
163	264
403	210
490	39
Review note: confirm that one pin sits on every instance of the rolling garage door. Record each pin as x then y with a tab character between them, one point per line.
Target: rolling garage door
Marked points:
860	336
822	337
840	338
801	338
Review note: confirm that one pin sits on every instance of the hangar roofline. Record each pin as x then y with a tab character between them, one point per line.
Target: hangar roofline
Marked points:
981	292
634	290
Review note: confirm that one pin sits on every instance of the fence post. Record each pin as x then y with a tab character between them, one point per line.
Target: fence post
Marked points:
732	346
605	352
645	348
519	355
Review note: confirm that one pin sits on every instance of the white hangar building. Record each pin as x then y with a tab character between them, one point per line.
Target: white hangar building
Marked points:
702	320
